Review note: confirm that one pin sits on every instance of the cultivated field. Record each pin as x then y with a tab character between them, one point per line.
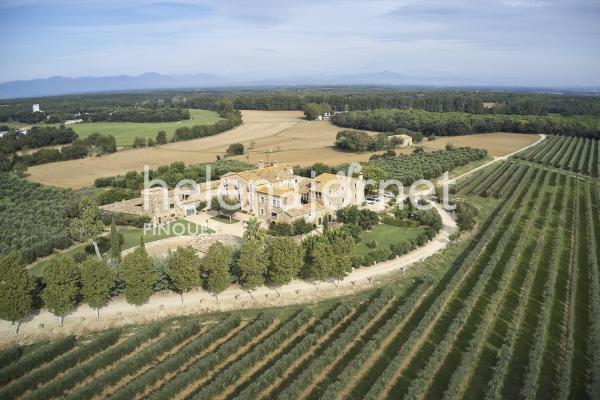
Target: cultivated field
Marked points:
570	153
512	314
497	144
126	132
512	317
268	135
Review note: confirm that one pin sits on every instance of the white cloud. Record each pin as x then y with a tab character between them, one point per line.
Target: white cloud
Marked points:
525	3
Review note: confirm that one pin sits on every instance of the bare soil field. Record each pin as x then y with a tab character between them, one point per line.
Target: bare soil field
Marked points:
267	135
497	144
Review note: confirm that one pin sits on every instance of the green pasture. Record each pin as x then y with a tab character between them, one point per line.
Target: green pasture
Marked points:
126	132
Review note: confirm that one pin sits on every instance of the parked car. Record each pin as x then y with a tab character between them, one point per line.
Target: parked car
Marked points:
389	194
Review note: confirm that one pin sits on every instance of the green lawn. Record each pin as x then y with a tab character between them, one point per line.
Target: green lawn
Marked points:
131	237
384	235
126	132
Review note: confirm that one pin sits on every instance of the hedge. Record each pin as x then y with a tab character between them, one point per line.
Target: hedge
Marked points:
277	369
68	360
210	361
150	355
306	377
236	370
36	358
137	221
10	355
77	375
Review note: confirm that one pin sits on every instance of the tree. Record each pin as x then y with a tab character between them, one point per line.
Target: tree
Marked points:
367	219
225	107
466	214
320	259
137	270
61	277
341	245
97	283
253	230
15	288
226	206
139	142
353	140
185	270
88	226
235	149
312	110
252	264
329	255
115	242
348	215
161	137
286	257
376	174
215	268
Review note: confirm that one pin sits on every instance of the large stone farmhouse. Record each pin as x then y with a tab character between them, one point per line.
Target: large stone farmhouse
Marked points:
275	194
270	193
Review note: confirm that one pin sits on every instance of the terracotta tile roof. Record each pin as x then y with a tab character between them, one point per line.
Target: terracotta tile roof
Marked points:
275	190
323	180
305	209
271	174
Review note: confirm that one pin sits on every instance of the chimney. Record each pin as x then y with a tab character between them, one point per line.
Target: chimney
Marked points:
261	164
360	176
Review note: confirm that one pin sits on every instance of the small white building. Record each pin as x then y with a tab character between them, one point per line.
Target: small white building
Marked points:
73	121
36	108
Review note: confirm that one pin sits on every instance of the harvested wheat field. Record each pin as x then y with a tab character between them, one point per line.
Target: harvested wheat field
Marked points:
497	144
267	135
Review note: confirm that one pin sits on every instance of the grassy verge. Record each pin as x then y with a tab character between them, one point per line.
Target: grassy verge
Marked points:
384	235
131	238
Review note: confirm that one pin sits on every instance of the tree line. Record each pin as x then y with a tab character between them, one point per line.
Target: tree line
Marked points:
173	173
452	124
260	260
37	136
369	98
339	98
359	141
95	144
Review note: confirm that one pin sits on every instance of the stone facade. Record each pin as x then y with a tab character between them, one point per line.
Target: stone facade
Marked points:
275	194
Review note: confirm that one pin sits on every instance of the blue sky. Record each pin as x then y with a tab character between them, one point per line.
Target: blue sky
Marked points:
535	42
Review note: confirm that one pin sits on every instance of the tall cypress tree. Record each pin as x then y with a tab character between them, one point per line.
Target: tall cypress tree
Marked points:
115	244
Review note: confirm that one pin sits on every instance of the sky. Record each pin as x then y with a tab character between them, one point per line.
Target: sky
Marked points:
520	42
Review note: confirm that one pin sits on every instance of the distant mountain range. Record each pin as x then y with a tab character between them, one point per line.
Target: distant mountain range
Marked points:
58	85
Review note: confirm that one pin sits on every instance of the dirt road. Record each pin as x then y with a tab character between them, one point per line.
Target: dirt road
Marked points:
164	305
